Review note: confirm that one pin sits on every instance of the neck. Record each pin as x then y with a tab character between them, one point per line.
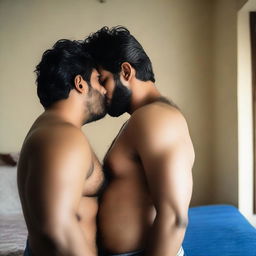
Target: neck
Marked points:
143	93
70	110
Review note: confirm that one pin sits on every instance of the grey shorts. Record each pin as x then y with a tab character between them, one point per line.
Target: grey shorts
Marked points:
141	253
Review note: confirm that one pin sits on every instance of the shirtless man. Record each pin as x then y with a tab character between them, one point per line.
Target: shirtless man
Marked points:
59	175
144	209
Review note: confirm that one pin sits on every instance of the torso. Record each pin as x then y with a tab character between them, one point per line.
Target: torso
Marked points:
88	207
126	211
89	202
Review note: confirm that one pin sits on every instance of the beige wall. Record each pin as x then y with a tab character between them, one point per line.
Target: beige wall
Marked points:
178	36
245	121
225	177
241	3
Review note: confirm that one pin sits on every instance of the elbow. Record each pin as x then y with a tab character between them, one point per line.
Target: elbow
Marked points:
56	234
172	219
178	221
181	221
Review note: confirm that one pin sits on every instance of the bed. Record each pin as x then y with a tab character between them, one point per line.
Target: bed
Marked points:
217	230
13	232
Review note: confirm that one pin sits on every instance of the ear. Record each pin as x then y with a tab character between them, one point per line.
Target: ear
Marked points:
80	84
127	71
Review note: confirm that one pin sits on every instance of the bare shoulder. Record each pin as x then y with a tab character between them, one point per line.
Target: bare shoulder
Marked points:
55	138
159	127
158	117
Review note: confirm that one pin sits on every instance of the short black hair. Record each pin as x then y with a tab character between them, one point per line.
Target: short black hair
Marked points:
110	47
58	68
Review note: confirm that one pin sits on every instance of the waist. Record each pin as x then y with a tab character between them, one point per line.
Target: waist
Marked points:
126	214
86	217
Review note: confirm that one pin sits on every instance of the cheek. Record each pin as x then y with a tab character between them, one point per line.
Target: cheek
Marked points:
110	89
97	86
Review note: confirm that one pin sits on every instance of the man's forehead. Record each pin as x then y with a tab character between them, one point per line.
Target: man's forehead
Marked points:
104	72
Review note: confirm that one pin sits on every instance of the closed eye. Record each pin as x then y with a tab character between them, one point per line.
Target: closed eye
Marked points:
99	79
102	82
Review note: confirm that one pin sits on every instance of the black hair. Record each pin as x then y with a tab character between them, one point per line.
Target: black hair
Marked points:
58	68
110	47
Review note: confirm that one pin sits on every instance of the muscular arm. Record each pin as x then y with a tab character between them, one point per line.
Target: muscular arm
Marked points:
60	164
167	155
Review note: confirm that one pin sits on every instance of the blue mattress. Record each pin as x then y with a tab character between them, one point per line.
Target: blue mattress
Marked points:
219	230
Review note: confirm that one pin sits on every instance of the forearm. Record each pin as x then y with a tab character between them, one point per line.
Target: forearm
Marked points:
166	236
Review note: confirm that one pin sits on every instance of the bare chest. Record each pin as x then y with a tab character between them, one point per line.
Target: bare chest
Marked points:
94	179
121	159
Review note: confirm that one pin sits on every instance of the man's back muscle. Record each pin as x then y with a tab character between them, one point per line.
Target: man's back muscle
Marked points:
53	184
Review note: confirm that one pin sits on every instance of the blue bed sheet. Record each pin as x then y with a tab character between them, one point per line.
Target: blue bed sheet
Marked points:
219	230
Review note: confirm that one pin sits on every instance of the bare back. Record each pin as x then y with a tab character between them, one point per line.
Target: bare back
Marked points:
49	180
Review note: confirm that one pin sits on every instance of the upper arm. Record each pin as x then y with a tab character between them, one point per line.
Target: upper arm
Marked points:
166	151
58	170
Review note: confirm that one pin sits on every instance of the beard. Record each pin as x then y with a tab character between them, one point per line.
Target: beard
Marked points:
121	99
96	105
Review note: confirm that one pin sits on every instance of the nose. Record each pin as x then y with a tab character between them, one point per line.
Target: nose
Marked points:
103	90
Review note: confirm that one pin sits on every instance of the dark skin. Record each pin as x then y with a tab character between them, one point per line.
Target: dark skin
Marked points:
59	176
145	205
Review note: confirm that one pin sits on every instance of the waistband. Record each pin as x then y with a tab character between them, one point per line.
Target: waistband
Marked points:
135	253
141	252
